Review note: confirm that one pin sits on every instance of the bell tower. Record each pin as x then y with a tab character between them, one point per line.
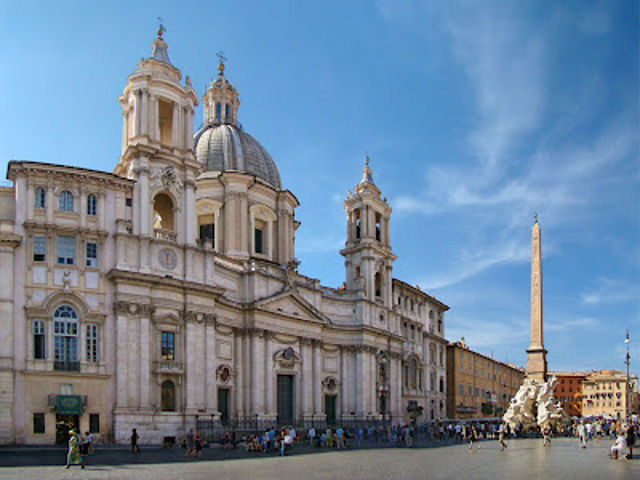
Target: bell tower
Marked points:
367	253
157	147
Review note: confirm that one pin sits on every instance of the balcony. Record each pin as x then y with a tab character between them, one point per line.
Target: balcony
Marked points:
66	366
168	367
164	234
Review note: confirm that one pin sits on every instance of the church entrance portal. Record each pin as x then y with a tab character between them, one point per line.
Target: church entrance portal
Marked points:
223	405
330	409
286	384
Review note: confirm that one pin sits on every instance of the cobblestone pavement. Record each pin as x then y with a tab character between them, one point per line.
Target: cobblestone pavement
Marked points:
524	459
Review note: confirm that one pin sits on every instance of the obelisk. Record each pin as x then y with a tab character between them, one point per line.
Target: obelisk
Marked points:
536	354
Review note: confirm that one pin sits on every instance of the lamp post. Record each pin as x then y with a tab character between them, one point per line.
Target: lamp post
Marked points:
626	387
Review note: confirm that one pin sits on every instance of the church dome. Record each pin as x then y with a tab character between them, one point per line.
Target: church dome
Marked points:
222	145
225	147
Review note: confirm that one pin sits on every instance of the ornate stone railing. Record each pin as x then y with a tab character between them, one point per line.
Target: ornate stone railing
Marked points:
165	234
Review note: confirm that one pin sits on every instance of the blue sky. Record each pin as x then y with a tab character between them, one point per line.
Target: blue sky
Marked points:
475	115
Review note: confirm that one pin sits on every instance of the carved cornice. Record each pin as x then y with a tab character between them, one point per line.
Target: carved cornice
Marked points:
191	316
132	308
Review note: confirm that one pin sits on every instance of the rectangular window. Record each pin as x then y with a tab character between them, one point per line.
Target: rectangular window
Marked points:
208	232
92	343
92	254
168	346
128	202
39	249
39	340
470	389
92	205
66	250
40	198
461	389
258	234
94	423
38	423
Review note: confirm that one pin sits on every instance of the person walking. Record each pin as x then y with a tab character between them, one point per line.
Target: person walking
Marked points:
582	434
501	433
472	435
197	445
134	441
73	454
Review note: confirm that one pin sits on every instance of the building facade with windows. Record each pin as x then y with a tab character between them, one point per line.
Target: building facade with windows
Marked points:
568	391
478	386
605	395
168	291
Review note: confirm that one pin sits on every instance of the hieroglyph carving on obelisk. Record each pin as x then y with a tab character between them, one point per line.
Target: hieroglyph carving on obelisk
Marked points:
536	354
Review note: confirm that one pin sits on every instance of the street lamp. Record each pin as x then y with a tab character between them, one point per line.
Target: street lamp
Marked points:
626	388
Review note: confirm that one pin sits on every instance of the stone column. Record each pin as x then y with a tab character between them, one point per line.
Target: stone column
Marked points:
133	357
175	125
344	382
194	360
82	204
257	377
210	367
50	199
268	374
189	212
138	112
145	362
122	361
239	374
317	377
308	407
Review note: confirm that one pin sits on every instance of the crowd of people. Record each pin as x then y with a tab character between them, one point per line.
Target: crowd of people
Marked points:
282	440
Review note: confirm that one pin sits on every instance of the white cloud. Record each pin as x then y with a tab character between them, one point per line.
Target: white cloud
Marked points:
608	290
582	323
476	261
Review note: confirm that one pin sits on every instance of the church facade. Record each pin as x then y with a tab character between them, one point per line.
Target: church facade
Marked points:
168	291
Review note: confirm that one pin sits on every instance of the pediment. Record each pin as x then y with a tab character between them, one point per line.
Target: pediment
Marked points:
292	304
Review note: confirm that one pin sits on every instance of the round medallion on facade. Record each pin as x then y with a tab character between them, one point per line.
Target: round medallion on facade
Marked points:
167	259
288	354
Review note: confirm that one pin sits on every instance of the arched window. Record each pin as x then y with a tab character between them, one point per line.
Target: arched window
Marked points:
40	198
163	212
378	227
65	339
92	204
66	201
218	112
168	396
226	113
356	218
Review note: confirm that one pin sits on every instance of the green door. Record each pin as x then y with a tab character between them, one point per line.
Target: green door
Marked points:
286	385
330	409
223	405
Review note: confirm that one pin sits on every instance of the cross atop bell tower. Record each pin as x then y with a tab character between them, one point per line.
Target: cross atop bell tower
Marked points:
536	353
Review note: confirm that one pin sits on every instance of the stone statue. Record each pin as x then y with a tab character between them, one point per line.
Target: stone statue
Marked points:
534	406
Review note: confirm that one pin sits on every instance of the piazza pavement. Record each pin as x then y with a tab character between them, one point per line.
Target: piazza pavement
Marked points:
523	459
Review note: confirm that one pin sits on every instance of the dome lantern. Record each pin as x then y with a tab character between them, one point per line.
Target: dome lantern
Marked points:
221	101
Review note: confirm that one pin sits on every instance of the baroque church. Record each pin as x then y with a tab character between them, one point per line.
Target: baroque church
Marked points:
167	293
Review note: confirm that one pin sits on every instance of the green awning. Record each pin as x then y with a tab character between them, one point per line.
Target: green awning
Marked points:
69	405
